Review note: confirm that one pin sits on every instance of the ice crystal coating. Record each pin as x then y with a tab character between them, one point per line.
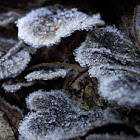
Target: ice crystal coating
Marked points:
111	58
110	137
55	117
5	105
14	65
46	26
46	75
105	45
123	88
12	86
110	69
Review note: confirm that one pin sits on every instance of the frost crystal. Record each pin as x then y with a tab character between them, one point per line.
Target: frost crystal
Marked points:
105	45
123	88
14	65
111	137
46	26
46	75
111	58
10	107
55	117
12	86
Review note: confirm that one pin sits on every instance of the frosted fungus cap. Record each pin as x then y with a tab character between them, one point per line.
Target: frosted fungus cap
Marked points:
53	116
12	63
112	59
46	75
46	26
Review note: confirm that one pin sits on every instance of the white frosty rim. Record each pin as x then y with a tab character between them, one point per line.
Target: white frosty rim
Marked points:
80	21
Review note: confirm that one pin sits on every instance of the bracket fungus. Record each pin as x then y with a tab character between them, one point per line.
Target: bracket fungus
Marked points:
13	86
46	75
5	129
14	65
112	58
123	88
46	26
53	116
103	92
14	57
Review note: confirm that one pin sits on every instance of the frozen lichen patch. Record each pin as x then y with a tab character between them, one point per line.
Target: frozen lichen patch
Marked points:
46	26
46	75
111	58
14	65
55	117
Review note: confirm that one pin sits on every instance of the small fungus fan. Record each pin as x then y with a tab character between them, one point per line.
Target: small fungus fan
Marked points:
46	26
112	59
